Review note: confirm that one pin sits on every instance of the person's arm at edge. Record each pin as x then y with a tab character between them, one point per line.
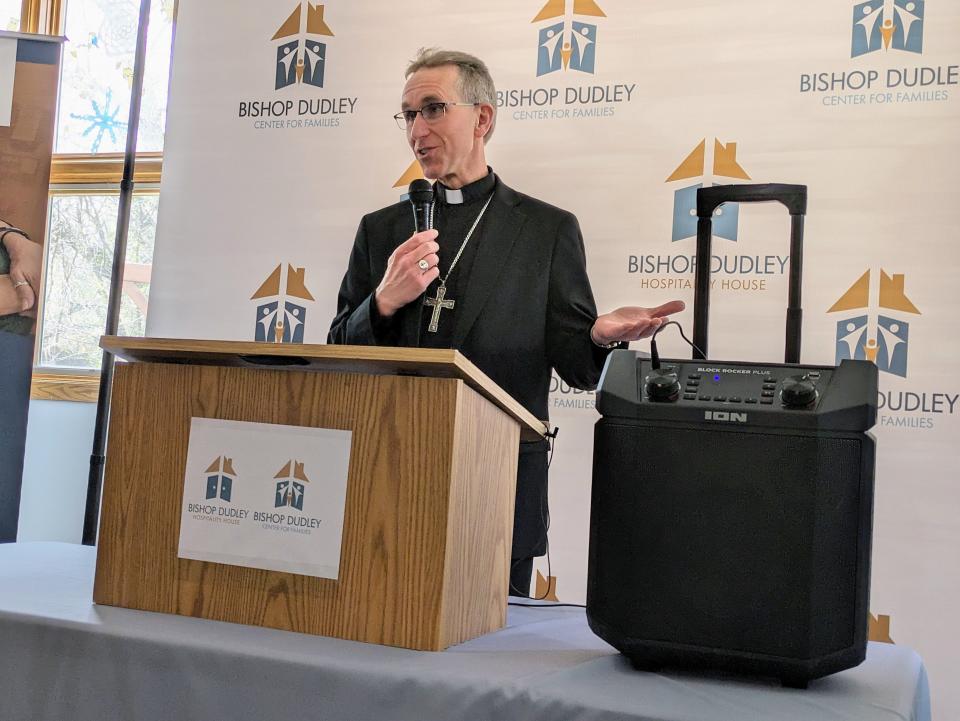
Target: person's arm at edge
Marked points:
26	260
9	300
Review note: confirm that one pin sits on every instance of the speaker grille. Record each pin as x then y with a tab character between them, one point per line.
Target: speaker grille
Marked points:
727	539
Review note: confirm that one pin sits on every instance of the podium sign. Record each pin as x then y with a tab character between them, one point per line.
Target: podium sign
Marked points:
263	495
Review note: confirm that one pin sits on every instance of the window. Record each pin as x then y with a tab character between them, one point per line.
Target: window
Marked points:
77	280
98	72
95	86
10	14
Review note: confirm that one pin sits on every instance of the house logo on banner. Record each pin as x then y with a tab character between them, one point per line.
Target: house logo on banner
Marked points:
730	271
725	165
883	340
220	477
299	55
567	42
290	488
895	30
281	306
876	327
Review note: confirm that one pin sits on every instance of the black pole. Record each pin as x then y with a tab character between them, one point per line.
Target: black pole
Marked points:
701	282
794	309
91	515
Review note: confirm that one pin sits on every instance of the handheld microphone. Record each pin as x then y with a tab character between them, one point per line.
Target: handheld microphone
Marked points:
421	197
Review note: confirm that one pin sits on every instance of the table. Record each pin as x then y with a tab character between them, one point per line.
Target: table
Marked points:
61	657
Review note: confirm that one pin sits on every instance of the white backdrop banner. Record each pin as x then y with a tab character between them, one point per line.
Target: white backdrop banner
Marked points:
280	137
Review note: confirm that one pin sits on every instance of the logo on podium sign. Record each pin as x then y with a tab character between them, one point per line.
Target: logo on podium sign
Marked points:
220	478
290	486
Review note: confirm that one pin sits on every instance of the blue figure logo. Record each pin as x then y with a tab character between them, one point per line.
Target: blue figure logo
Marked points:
888	350
294	66
220	476
726	218
290	486
885	342
562	50
887	24
301	58
568	44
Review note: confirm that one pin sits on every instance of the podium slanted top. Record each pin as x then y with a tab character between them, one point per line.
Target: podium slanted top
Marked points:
374	360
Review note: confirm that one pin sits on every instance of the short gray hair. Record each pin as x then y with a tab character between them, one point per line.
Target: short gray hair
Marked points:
475	83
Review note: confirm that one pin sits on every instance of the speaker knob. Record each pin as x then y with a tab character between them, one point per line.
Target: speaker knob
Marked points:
662	386
798	392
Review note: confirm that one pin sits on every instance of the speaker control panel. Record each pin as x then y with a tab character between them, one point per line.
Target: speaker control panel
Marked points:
795	388
763	394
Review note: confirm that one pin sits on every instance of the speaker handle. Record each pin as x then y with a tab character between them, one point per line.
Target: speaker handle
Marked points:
794	197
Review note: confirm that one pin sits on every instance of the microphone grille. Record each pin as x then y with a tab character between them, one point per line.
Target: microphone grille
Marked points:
420	191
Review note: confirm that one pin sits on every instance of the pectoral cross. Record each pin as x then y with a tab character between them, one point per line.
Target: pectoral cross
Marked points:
438	304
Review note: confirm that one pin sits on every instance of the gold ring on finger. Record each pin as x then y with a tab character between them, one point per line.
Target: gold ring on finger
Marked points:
423	264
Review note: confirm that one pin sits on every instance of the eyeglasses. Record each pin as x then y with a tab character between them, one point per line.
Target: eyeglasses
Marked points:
431	112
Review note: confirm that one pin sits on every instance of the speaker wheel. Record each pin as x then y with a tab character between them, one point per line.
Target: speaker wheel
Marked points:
800	683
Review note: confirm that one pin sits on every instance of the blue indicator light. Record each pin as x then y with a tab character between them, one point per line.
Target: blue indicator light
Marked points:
716	378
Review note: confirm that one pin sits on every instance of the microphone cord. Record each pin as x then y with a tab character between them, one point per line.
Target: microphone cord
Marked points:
545	520
655	355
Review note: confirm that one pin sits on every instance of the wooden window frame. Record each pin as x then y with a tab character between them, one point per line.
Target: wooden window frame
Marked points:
103	168
42	16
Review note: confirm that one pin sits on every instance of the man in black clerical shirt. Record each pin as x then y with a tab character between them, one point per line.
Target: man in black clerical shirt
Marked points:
501	277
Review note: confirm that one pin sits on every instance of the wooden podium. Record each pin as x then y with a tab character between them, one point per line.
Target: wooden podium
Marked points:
428	521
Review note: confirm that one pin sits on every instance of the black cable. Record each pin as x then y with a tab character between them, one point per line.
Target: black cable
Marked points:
545	519
553	439
545	605
653	345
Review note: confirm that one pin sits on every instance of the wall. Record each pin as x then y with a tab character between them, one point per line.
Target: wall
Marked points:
56	463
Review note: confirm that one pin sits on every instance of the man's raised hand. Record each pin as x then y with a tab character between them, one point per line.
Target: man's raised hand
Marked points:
632	322
410	269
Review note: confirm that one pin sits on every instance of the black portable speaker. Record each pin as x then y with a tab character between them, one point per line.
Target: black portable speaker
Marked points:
731	516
